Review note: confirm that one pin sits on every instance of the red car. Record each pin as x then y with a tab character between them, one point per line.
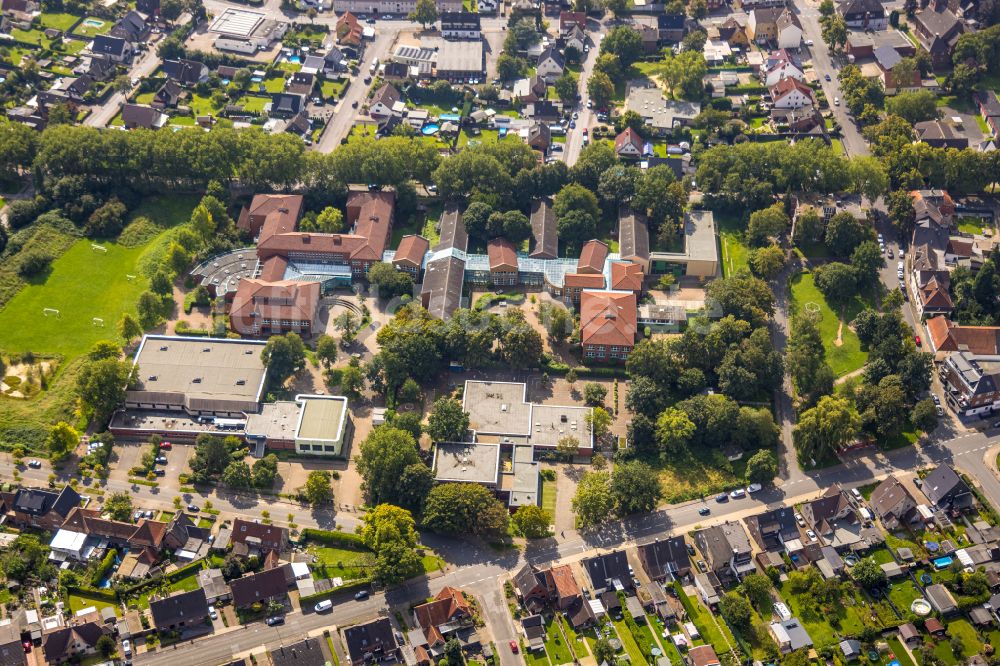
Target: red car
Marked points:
27	647
584	130
166	446
916	338
513	647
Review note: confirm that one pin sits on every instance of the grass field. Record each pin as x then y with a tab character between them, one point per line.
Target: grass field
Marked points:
57	20
83	284
698	473
555	644
710	631
846	357
85	30
629	643
79	601
971	644
971	225
825	625
899	652
341	562
549	498
734	250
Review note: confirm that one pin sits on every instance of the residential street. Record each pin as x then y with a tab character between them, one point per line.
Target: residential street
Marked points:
143	67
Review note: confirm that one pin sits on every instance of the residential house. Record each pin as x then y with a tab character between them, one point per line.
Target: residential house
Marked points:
335	61
727	550
255	537
788	30
539	137
671	27
937	28
775	529
300	83
781	69
544	232
947	336
569	20
306	652
762	24
650	38
447	614
71	643
460	25
410	255
886	59
610	571
19	10
383	101
350	34
575	38
938	134
550	65
543	111
530	90
167	96
863	14
213	584
182	610
608	325
11	650
151	8
41	508
98	67
791	94
946	490
628	144
371	642
117	49
733	33
892	503
260	588
286	105
703	655
936	206
533	627
665	559
790	635
989	109
806	120
185	72
833	517
132	28
658	113
142	116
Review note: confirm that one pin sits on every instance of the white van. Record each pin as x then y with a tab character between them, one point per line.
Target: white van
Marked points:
866	514
324	606
900	266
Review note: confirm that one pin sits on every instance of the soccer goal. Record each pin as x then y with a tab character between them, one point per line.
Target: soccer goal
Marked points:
129	277
51	312
98	322
98	248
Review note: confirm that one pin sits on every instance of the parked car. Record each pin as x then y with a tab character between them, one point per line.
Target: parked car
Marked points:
799	519
739	493
811	535
274	621
148	515
160	472
513	647
836	101
722	498
856	493
940	411
690	549
889	253
137	515
809	42
126	647
361	594
166	446
161	460
937	400
916	338
827	77
754	488
27	647
704	511
34	464
212	614
193	509
702	567
325	605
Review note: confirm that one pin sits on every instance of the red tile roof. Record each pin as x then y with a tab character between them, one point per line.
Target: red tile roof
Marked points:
370	213
703	655
269	536
273	269
563	581
584	281
592	257
281	210
448	605
948	336
411	251
626	276
608	318
503	256
257	300
785	86
629	137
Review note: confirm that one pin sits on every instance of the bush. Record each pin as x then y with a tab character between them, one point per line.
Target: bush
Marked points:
101	571
139	231
34	262
21	213
329	538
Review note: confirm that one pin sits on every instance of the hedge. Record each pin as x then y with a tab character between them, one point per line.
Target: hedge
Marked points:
105	566
182	572
329	538
320	596
107	595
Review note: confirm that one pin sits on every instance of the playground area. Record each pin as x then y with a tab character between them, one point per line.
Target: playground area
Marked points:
79	303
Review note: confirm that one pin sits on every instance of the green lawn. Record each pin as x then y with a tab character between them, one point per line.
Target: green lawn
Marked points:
85	30
532	658
274	83
734	250
970	225
57	20
341	563
83	284
253	103
80	601
710	631
971	645
74	46
555	644
576	641
549	498
826	626
902	593
422	223
899	652
185	584
846	357
33	36
838	146
332	88
628	642
698	473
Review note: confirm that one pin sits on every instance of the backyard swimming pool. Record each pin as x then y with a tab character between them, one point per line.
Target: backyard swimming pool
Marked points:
93	23
430	130
942	562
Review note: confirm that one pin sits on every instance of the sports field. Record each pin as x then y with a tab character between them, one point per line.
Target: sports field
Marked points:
84	283
843	353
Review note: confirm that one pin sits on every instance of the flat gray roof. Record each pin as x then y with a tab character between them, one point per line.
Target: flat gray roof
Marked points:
236	22
322	417
461	56
699	237
467	462
550	423
524	489
277	420
210	368
497	408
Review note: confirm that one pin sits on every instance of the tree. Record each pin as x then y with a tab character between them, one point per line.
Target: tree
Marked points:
617	184
510	67
835	33
62	439
389	281
212	455
128	328
826	8
390	532
844	232
867	262
447	422
625	42
101	386
604	653
838	282
575	197
318	489
762	467
594	394
566	86
424	12
576	227
532	521
806	356
326	350
736	611
106	645
900	209
264	471
414	485
757	588
568	445
382	457
33	262
825	428
766	262
352	381
635	487
766	225
869	574
593	502
237	475
913	107
599	421
673	431
601	89
684	73
557	321
461	508
119	505
925	415
743	296
108	220
283	355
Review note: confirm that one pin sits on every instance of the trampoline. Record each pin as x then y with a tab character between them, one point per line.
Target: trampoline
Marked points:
926	579
933	546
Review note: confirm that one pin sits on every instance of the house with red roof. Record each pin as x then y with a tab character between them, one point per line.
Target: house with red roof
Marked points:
503	262
628	144
608	325
627	276
448	613
791	94
410	254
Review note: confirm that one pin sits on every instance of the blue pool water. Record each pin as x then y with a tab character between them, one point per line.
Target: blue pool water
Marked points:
428	130
225	82
256	79
503	132
453	117
294	59
942	562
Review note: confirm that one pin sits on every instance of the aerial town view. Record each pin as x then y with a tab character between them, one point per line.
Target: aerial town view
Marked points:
500	332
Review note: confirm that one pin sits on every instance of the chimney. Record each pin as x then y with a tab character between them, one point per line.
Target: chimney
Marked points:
306	238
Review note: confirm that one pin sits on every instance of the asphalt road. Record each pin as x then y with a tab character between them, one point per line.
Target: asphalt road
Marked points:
588	119
141	68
